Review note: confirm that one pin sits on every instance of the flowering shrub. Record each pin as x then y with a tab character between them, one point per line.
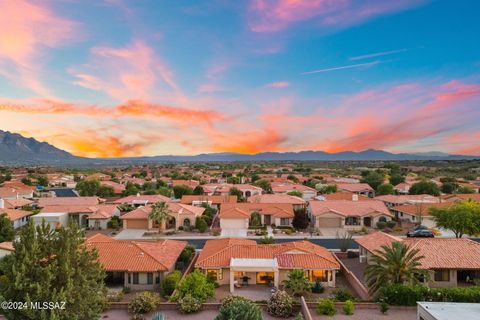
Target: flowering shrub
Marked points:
143	302
280	304
326	307
189	304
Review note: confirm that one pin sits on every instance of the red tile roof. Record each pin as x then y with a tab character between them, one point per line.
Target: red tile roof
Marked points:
136	256
349	208
175	209
276	198
188	199
279	210
68	201
439	253
14	214
297	254
148	198
7	245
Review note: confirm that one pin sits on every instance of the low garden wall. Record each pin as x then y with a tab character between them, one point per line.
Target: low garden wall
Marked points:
356	284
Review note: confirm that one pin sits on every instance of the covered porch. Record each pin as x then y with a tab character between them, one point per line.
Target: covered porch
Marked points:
260	271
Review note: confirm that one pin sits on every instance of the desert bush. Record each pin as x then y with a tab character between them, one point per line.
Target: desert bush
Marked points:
326	307
189	304
348	307
170	282
318	287
342	295
143	303
238	308
381	225
280	304
391	224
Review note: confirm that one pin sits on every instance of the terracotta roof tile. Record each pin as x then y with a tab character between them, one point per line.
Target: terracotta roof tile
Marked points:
349	208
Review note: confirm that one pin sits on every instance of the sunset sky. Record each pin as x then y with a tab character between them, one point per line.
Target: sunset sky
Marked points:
128	78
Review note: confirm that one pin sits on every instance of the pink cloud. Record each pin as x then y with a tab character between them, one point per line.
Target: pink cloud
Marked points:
132	72
28	28
279	84
276	15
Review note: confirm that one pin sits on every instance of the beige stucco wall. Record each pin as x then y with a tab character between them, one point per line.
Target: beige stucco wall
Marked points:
142	281
443	284
234	223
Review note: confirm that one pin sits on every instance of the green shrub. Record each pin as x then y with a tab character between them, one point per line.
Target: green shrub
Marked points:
299	316
326	307
170	282
408	295
126	289
238	308
115	296
280	304
189	304
381	225
143	303
201	225
391	224
318	287
348	307
196	284
342	295
187	254
384	307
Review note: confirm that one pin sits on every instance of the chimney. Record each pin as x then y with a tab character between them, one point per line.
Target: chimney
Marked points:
2	203
354	197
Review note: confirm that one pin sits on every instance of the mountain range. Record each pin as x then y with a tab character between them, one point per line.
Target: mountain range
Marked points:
17	149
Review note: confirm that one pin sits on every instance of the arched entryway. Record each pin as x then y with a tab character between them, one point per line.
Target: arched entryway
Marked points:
186	222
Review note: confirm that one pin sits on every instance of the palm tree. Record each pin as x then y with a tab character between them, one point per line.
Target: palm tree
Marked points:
394	264
160	214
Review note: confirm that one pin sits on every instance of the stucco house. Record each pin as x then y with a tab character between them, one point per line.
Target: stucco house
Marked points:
231	260
284	188
296	202
237	216
138	265
418	213
213	201
18	218
450	261
223	189
358	188
347	214
180	215
93	216
142	200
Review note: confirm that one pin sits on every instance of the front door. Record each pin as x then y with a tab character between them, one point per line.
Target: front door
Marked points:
367	221
268	220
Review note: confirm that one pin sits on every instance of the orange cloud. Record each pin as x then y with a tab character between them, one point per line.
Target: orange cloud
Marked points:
131	108
27	29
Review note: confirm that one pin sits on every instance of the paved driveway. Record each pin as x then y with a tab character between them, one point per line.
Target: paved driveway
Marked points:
332	232
236	233
130	234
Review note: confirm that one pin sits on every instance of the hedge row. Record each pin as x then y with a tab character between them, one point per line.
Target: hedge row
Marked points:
407	295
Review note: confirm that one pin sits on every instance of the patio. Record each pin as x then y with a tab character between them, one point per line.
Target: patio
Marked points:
253	292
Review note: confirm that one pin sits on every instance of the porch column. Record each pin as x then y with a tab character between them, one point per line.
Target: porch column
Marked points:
125	279
333	278
276	276
232	279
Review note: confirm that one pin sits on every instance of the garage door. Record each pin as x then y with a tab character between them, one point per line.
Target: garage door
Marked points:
232	223
137	224
329	222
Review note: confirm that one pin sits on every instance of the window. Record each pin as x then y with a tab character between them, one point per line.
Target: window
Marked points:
313	275
215	273
351	221
284	221
157	279
129	278
186	222
401	214
413	218
149	278
442	275
382	219
135	278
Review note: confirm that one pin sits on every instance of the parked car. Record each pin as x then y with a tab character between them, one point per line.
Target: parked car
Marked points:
421	233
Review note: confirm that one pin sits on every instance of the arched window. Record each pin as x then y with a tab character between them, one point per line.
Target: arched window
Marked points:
186	222
382	219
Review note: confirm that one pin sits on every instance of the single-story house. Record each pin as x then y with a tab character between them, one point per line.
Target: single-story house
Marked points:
461	197
101	215
118	188
224	189
6	248
15	203
284	188
18	217
347	214
142	200
54	219
190	183
296	202
68	201
403	187
10	193
237	216
358	188
231	261
392	200
93	216
418	213
451	261
343	196
213	201
180	215
138	265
